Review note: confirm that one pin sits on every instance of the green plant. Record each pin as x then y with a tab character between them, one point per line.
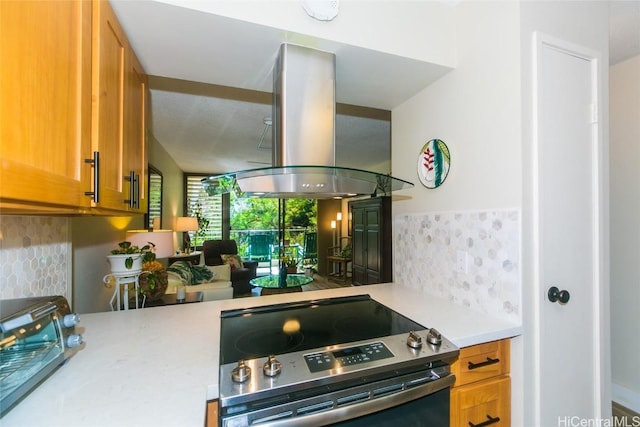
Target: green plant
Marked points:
126	248
200	235
288	261
346	251
154	279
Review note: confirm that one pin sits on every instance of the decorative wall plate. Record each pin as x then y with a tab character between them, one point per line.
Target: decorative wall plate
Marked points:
433	163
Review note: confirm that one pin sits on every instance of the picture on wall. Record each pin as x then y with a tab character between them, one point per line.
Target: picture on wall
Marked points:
434	161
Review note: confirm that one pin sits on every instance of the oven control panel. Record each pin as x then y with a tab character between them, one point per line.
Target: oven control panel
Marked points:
342	357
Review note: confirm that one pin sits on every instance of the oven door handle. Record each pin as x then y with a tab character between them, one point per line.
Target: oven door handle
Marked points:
31	316
364	408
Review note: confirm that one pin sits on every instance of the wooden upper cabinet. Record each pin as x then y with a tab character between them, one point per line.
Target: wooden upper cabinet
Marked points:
135	128
110	49
45	107
119	116
71	87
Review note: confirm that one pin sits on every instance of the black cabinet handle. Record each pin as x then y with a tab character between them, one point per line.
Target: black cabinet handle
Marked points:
136	192
487	362
131	201
96	177
490	420
556	295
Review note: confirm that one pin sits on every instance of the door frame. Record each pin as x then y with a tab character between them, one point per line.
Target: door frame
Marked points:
601	318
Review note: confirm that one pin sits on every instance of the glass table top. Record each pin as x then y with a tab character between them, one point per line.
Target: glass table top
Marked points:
273	281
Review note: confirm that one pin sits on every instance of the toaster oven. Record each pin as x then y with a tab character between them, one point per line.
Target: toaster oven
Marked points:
37	335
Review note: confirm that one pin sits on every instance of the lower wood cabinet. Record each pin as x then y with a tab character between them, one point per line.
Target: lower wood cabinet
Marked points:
481	395
212	414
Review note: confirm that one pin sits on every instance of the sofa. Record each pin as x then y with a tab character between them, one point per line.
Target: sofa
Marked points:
214	252
217	288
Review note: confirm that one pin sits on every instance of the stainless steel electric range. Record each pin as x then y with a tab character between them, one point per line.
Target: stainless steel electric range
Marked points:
342	361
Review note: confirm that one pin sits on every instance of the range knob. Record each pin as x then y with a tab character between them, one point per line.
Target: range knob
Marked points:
434	337
240	373
70	320
272	367
74	340
414	341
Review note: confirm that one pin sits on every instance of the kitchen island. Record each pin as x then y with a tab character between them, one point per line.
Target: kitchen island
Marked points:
159	366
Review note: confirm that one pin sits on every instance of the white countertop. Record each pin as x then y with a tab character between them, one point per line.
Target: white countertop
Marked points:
159	366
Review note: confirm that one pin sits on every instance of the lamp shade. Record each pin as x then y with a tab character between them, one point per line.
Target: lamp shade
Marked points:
186	223
162	239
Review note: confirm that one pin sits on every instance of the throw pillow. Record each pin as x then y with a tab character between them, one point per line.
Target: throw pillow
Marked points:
182	269
234	261
201	274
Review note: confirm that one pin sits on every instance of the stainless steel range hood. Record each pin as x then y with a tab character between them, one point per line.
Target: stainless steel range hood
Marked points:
303	155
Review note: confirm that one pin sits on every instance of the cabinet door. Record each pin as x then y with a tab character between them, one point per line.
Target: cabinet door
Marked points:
45	107
373	244
109	48
358	263
571	251
481	404
135	132
371	241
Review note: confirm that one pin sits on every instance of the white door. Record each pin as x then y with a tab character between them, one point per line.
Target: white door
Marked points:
569	214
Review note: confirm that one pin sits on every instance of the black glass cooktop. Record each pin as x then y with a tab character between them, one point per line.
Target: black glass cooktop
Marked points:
284	328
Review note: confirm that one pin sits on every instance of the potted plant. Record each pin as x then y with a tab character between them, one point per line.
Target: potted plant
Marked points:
154	279
128	258
290	263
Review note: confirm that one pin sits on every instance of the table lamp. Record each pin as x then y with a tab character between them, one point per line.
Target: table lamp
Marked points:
162	239
186	224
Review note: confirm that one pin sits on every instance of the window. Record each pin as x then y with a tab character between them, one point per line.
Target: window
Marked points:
154	188
208	210
246	216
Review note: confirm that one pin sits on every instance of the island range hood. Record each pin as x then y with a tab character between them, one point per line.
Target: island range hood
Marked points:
303	153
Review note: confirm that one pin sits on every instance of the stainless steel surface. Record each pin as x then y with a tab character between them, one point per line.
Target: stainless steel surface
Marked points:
343	405
304	107
304	136
414	340
37	337
336	382
241	372
272	366
295	372
434	337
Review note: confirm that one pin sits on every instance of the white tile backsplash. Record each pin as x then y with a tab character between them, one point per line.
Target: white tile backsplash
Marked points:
427	247
35	257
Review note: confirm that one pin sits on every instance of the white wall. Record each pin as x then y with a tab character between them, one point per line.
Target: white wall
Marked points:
475	110
421	30
172	187
483	111
624	89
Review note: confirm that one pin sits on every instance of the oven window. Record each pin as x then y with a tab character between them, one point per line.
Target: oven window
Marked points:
431	410
24	352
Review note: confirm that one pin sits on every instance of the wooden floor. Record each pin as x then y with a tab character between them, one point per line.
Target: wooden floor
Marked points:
624	416
320	282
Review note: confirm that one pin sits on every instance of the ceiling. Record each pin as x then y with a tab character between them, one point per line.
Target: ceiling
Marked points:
209	100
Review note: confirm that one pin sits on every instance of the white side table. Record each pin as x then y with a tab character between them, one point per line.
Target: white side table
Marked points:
123	279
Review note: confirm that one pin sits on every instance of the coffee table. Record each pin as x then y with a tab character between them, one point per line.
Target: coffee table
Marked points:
271	284
170	299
